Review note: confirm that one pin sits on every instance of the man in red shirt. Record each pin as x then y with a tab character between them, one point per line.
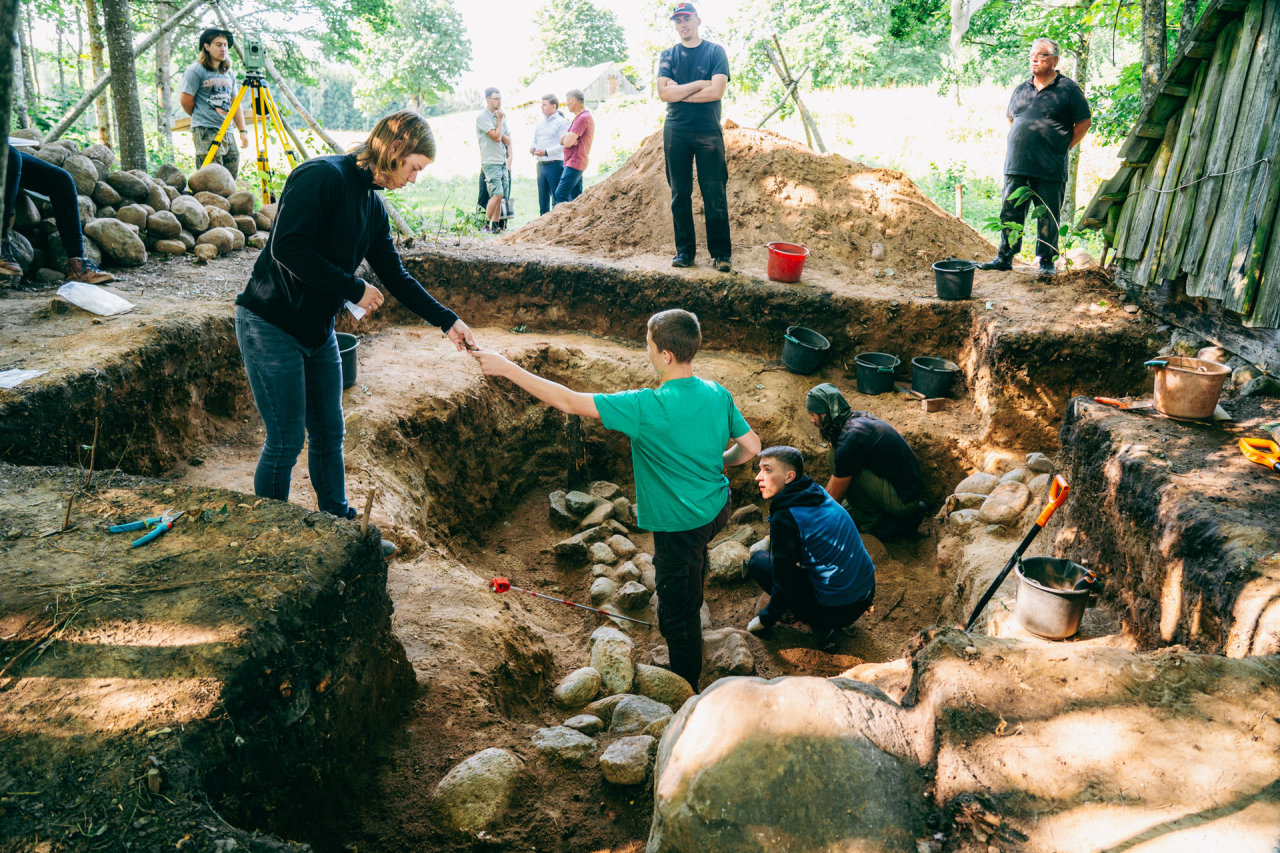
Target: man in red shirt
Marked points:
577	145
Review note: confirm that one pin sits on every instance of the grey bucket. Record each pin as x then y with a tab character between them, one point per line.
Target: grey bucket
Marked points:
347	346
874	371
932	376
1047	605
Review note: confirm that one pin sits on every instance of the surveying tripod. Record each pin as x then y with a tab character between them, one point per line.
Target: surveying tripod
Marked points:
264	108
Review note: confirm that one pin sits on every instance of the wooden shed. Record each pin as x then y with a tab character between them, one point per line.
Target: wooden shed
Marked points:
1191	213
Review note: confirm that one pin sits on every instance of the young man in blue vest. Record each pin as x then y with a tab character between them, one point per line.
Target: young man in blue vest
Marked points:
679	433
816	566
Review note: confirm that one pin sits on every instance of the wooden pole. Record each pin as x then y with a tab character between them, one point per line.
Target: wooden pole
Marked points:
101	84
8	24
779	66
785	96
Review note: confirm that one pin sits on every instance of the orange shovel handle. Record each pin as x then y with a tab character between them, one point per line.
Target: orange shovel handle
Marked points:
1057	494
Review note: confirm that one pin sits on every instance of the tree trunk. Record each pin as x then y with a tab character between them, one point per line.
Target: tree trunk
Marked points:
101	110
164	93
79	51
1153	43
62	68
19	90
1188	21
8	23
1073	157
124	84
28	66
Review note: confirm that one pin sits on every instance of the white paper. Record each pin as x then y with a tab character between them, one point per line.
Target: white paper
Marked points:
19	142
94	299
356	310
15	377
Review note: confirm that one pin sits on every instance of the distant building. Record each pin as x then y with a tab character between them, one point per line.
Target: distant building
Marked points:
598	83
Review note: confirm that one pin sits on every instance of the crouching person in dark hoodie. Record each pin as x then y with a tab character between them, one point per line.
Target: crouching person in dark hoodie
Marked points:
816	566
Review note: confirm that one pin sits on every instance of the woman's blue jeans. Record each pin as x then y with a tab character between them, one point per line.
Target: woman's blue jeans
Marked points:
298	391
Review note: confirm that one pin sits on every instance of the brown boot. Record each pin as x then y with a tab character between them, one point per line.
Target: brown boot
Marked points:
85	270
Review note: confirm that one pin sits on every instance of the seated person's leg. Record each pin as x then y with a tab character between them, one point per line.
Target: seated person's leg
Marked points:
58	185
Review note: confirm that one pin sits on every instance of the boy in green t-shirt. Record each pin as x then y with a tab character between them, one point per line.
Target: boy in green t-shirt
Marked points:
678	433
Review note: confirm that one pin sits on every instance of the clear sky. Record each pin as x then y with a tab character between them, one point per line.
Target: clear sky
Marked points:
502	34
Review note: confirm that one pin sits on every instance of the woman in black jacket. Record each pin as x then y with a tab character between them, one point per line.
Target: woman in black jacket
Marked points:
329	219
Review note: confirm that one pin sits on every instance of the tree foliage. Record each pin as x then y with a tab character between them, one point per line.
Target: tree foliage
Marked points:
419	57
577	33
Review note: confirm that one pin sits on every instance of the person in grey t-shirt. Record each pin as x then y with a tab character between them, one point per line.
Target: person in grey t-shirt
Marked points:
494	138
208	88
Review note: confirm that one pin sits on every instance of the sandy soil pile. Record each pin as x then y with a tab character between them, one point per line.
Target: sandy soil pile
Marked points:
778	190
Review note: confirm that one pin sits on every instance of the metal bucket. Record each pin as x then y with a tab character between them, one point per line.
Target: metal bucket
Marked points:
1047	605
347	346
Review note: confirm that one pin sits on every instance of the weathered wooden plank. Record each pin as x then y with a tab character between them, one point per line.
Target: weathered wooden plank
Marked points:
1266	315
1177	90
1126	216
1220	146
1200	50
1247	275
1262	87
1164	200
1149	196
1117	184
1152	130
1206	111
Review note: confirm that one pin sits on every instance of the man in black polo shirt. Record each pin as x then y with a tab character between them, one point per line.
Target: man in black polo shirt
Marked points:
873	471
692	76
1048	116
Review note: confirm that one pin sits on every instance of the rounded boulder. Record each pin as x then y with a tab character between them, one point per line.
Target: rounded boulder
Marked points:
213	178
118	242
241	203
82	171
127	185
190	213
476	793
164	225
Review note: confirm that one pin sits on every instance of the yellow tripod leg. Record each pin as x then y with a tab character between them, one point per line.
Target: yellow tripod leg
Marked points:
289	153
260	140
222	131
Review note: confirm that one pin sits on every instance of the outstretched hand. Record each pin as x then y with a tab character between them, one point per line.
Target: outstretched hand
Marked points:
492	363
461	336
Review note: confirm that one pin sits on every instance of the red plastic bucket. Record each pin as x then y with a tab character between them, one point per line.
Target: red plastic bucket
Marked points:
786	260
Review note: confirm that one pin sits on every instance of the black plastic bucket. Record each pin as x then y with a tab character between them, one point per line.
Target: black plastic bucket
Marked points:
874	371
347	346
1047	606
932	376
953	278
803	349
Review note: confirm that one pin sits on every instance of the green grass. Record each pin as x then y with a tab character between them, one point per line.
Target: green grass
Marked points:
449	204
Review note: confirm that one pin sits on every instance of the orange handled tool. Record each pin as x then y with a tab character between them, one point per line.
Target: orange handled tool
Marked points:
1057	494
1262	451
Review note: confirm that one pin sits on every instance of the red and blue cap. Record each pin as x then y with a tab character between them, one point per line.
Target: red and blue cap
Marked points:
684	9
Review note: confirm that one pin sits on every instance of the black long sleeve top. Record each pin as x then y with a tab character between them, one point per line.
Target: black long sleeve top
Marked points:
328	220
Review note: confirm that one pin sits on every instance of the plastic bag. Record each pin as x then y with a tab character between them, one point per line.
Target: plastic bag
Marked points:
94	299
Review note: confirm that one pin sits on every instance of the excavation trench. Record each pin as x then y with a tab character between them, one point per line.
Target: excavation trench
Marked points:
463	467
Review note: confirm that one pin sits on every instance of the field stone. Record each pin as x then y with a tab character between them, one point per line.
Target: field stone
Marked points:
979	484
580	503
588	724
657	728
118	241
725	652
611	657
577	688
746	514
1005	504
105	195
1261	386
561	743
25	213
213	200
23	248
599	552
259	240
1017	475
661	685
635	712
627	760
205	251
265	216
743	533
999	462
44	275
170	193
187	238
604	490
55	154
600	570
213	178
726	561
55	252
127	185
1038	484
86	208
164	224
220	238
633	595
627	572
1244	374
148	208
170	247
622	546
240	203
617	527
171	176
82	172
237	239
968	500
1038	463
603	708
602	589
624	511
558	512
107	212
575	547
246	225
599	515
477	792
191	214
219	218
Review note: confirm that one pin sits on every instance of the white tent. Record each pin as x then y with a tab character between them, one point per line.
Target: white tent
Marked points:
597	83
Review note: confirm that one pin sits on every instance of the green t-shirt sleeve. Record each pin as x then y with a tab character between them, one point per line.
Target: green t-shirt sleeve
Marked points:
738	426
621	411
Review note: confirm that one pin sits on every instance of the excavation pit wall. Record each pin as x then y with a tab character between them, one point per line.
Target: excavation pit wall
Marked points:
452	454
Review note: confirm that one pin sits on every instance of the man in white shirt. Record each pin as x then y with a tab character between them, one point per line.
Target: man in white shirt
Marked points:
550	153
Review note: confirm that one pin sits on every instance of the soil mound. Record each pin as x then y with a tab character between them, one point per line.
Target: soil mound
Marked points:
778	190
